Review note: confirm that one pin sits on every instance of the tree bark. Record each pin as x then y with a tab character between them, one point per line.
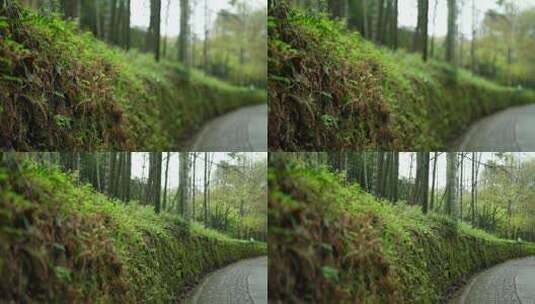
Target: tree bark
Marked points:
165	182
452	31
153	34
421	34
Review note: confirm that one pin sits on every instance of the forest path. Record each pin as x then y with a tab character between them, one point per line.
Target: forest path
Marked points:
512	282
244	130
244	282
507	131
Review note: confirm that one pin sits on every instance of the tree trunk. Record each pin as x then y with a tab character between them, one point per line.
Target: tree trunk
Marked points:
193	186
128	175
155	179
379	187
153	34
473	62
206	35
432	203
394	26
380	22
112	34
452	33
338	9
421	34
421	189
450	206
112	172
206	188
165	182
183	38
183	187
127	24
461	185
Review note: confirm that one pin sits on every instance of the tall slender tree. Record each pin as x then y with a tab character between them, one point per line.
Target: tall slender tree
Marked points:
380	30
450	205
379	182
421	189
127	24
473	59
433	182
167	158
184	185
155	178
206	185
451	36
153	34
183	39
193	185
127	177
421	35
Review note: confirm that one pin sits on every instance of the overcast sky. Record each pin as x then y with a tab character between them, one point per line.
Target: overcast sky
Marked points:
404	165
137	165
408	14
141	14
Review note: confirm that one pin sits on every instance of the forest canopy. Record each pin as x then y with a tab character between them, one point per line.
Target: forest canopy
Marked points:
222	191
492	191
490	38
226	39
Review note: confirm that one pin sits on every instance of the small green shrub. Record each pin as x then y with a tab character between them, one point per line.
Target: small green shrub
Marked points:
346	246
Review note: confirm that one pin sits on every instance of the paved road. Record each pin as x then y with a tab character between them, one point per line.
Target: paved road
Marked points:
512	130
244	282
512	282
244	130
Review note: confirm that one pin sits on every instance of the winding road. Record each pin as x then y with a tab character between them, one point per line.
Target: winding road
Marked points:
512	282
244	130
243	282
512	130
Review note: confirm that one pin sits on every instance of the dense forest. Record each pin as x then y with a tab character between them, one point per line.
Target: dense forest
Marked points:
394	227
394	74
95	75
119	227
491	191
240	61
227	195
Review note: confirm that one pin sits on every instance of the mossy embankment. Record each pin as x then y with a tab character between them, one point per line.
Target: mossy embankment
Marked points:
64	243
331	89
61	89
345	246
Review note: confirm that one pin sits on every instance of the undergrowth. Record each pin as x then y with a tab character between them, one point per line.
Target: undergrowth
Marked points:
346	246
332	89
78	246
61	89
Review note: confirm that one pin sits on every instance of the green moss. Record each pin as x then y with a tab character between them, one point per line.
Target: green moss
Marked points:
344	245
378	98
75	245
62	89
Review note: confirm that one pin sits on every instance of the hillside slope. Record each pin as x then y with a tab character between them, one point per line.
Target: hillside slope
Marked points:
331	89
61	89
63	243
344	245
